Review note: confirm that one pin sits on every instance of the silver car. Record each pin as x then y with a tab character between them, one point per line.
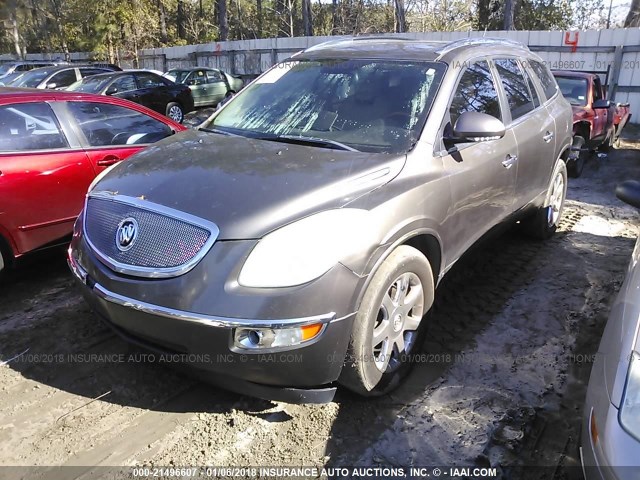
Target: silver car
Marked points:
294	241
611	424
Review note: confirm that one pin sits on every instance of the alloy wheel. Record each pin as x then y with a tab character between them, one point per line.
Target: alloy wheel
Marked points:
399	316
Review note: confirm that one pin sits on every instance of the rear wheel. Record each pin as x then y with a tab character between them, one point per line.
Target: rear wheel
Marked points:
175	112
544	222
387	326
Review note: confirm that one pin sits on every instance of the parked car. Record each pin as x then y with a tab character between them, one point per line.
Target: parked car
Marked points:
52	146
55	78
597	122
12	70
209	86
611	423
145	88
294	241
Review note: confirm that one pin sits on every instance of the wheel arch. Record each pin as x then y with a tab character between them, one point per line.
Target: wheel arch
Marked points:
425	241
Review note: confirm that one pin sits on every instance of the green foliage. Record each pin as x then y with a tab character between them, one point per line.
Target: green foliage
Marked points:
118	30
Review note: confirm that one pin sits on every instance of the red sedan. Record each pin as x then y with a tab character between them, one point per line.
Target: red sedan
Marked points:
52	146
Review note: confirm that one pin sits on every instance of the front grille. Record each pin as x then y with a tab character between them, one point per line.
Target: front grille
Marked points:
162	242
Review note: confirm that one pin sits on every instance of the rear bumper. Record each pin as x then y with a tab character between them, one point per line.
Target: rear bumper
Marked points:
203	344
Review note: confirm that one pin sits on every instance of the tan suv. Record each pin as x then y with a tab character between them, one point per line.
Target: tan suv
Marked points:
294	241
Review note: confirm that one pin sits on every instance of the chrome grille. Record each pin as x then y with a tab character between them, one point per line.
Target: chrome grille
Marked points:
166	244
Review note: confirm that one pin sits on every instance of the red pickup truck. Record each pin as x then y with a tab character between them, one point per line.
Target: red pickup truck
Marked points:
597	122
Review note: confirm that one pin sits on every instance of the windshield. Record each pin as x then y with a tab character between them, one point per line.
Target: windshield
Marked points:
573	89
32	79
5	67
368	105
92	84
178	76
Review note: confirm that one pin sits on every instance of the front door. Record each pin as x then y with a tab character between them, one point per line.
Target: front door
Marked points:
482	175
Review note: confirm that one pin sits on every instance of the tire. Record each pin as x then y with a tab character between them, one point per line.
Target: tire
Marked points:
368	371
175	112
544	222
575	168
5	261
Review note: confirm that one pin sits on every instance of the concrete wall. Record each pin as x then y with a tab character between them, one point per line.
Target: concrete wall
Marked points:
614	53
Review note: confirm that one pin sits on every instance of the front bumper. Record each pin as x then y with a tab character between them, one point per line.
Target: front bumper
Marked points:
204	343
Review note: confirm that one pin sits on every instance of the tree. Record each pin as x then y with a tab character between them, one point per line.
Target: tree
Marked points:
223	25
633	17
400	22
307	18
509	15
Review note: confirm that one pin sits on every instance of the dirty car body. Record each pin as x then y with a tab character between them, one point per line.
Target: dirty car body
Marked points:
611	420
282	249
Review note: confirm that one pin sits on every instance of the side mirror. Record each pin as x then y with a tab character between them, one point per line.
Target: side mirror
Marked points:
51	86
629	192
111	90
476	127
602	104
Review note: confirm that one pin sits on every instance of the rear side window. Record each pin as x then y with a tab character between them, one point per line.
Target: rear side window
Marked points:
532	89
546	79
104	125
29	126
87	72
476	92
515	87
214	76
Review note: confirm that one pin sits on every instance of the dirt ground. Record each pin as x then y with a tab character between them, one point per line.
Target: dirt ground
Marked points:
508	353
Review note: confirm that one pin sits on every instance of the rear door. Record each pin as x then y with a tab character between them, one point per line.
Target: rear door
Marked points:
44	174
481	176
533	127
111	133
218	87
601	120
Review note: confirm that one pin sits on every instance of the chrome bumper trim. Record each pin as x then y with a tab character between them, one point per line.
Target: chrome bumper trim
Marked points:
208	320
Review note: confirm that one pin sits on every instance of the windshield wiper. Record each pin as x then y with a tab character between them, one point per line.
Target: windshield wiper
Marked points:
320	142
215	130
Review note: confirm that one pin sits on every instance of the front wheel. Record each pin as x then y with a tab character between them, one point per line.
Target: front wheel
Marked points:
386	329
544	222
175	112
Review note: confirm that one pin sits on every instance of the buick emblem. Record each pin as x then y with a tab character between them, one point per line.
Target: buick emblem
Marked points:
126	234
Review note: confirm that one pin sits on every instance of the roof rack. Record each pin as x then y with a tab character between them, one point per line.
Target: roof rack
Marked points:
470	41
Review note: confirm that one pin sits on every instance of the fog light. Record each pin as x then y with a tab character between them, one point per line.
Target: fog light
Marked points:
275	338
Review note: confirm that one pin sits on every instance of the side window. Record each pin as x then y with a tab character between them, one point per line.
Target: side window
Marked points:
104	125
515	87
532	88
214	76
149	80
22	68
547	81
87	72
63	78
124	83
476	92
29	126
198	77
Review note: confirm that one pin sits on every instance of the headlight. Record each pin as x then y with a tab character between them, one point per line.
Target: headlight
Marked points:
630	408
100	176
305	250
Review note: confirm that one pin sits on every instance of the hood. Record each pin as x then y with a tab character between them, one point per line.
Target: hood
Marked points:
248	187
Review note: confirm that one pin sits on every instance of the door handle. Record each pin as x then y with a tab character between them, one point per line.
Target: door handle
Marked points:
548	137
509	161
108	161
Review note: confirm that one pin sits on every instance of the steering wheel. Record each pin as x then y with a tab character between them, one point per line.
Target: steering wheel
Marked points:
117	139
